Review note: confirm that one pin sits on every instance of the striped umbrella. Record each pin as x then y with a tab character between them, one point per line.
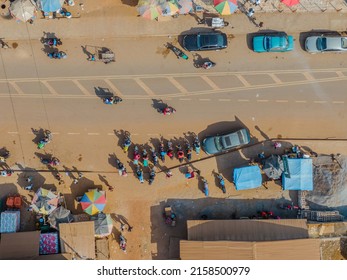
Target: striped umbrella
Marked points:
93	202
169	9
44	201
149	9
290	3
23	9
225	7
185	6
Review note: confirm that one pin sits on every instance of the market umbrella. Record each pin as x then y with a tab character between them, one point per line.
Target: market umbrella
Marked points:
290	3
44	201
149	9
185	6
60	215
23	9
169	8
273	167
50	5
93	202
102	225
225	7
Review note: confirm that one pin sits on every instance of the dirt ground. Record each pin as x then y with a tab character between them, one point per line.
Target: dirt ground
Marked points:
334	249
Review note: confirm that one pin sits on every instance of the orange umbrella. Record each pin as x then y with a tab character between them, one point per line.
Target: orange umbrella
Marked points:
290	3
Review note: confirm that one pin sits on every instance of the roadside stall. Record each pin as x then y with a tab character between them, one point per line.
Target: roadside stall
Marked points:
248	177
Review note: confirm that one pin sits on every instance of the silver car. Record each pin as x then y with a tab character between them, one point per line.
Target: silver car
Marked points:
318	44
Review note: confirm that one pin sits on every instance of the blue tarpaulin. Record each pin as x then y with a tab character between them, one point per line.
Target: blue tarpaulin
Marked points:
300	175
51	5
247	177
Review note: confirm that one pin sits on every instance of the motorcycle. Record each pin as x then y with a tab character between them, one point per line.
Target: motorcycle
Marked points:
167	111
127	143
139	174
50	161
57	55
52	42
154	157
177	51
45	140
162	152
151	176
197	145
180	153
63	12
145	157
207	65
170	150
136	155
221	182
206	190
121	169
112	100
188	151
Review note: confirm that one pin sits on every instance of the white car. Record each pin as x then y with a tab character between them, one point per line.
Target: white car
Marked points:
319	44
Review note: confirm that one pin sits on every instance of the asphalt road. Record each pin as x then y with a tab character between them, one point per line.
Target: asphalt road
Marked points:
274	95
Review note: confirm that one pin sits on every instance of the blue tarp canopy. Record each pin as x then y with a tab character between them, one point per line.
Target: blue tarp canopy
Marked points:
301	175
50	5
247	177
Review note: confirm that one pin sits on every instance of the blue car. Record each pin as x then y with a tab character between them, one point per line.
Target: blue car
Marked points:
275	42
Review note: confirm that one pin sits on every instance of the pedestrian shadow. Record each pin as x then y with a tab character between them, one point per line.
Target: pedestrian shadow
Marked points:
198	60
47	35
159	104
87	52
112	160
122	135
103	92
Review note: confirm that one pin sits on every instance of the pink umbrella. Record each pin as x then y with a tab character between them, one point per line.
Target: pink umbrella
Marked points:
290	3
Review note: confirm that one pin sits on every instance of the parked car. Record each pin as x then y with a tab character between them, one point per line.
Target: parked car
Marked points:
220	143
273	42
205	41
317	44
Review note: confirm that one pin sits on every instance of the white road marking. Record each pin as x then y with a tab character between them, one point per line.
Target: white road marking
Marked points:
93	133
281	101
338	102
173	134
262	100
300	101
152	134
204	99
243	80
275	78
308	76
113	87
73	133
111	134
243	100
81	88
50	88
55	133
223	100
144	87
319	101
340	74
185	99
16	87
177	85
134	134
13	132
210	83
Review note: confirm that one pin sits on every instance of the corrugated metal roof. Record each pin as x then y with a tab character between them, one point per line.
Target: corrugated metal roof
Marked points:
297	249
247	230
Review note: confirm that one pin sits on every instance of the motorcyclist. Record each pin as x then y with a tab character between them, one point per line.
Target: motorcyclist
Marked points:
207	65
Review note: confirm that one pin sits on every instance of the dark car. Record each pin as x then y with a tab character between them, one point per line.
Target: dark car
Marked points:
205	41
220	143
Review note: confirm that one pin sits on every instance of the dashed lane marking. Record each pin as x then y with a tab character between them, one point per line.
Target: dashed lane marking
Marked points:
93	133
50	88
185	99
210	83
113	87
81	88
55	133
177	85
338	102
12	132
73	133
173	134
110	134
223	100
16	87
262	100
152	134
204	99
281	101
308	76
144	87
300	101
275	78
243	80
243	100
319	101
